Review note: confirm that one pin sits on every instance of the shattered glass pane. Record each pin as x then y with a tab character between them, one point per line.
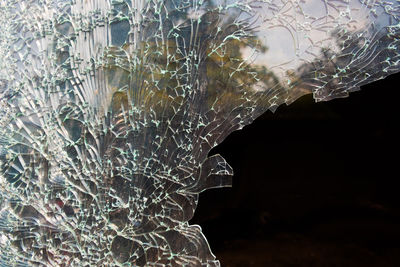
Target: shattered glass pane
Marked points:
110	107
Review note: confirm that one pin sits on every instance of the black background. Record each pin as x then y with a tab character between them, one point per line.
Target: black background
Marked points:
315	184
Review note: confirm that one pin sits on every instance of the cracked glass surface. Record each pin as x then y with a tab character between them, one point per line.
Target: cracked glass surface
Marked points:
110	107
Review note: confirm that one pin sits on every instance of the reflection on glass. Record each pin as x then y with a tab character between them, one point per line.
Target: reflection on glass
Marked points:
110	107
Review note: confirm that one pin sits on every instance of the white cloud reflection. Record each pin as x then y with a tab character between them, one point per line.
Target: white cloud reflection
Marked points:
296	31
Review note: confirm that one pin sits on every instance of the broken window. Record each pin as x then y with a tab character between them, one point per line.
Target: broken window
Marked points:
110	107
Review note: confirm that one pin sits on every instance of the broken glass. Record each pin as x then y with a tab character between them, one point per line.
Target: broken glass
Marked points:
110	107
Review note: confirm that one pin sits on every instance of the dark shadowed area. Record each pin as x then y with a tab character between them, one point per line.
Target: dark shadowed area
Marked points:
316	184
